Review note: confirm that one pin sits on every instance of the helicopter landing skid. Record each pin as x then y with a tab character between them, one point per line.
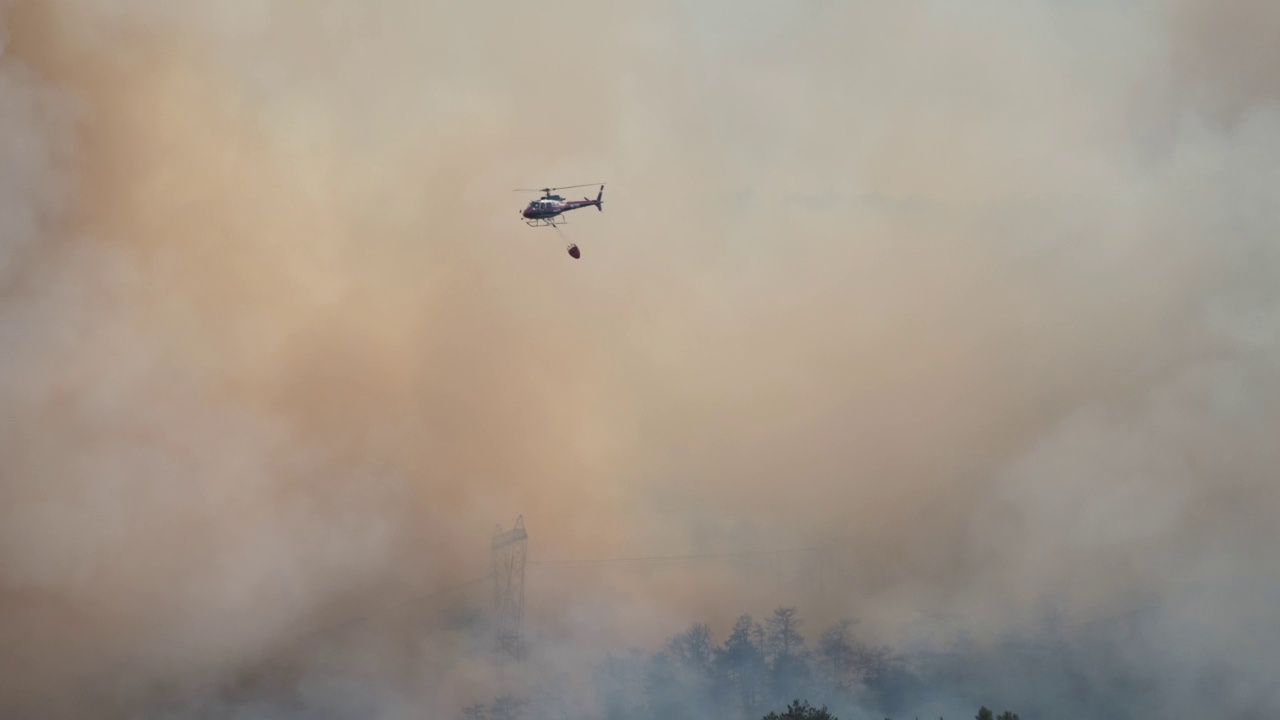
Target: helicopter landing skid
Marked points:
547	222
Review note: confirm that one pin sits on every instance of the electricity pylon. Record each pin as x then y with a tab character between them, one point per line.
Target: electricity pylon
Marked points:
509	549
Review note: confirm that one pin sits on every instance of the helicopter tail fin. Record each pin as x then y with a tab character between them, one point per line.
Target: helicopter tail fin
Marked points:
599	202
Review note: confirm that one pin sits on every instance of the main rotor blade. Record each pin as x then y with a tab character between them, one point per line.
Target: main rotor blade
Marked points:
566	187
570	187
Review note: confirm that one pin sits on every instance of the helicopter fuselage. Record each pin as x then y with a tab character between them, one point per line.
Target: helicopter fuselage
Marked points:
550	206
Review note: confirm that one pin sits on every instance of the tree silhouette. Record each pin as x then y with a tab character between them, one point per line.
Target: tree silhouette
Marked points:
838	653
742	664
802	710
693	648
782	634
663	695
786	654
506	707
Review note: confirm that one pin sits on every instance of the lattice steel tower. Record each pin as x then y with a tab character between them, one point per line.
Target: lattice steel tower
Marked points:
508	587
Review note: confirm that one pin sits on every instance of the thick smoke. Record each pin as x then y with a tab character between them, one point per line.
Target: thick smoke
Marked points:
979	300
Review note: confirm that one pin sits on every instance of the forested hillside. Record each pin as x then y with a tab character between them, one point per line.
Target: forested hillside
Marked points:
763	665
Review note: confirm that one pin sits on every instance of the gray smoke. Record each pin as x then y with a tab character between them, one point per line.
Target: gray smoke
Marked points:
979	298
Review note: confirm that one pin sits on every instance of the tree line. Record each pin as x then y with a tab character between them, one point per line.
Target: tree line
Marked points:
760	667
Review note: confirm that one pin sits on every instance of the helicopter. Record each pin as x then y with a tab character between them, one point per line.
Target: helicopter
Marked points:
548	210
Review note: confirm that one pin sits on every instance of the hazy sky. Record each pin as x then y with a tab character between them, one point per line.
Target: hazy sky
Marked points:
982	295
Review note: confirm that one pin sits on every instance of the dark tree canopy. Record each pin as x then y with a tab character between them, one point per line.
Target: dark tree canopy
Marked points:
802	710
761	666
